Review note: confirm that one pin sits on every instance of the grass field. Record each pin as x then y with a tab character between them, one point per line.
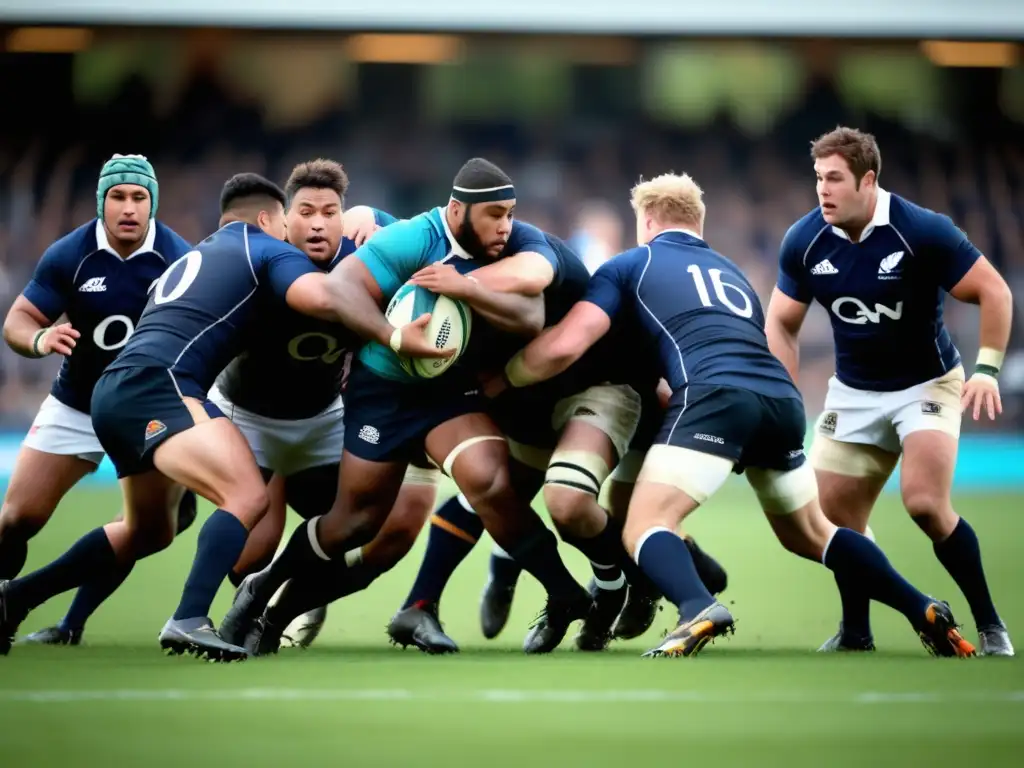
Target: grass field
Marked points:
762	697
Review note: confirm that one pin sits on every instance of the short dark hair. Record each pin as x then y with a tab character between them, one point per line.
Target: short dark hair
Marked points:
246	186
317	174
478	173
857	148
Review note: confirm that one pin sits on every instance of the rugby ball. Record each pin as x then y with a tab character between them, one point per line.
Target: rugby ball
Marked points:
450	323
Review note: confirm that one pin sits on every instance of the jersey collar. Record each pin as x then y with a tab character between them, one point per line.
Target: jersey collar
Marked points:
103	244
880	219
680	231
457	249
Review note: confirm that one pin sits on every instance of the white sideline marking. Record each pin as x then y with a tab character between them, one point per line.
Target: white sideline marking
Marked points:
501	696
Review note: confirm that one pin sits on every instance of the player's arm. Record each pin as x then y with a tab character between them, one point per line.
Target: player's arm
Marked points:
970	277
28	327
362	221
563	344
791	298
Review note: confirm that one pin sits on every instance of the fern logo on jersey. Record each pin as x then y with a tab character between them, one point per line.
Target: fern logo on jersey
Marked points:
889	268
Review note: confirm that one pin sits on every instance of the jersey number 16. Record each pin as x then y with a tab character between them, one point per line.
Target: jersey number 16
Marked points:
720	287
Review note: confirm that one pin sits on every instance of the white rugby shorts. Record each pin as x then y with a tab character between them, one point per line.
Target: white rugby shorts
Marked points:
884	419
61	430
287	446
612	408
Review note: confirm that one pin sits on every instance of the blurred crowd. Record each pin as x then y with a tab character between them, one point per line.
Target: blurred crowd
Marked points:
573	179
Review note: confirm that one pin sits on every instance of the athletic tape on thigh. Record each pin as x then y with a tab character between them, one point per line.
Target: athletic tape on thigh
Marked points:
579	470
612	408
421	476
782	493
446	467
698	475
851	459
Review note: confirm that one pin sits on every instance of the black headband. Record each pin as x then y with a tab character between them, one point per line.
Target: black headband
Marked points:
487	195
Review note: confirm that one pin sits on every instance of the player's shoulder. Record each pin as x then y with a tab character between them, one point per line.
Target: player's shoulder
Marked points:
169	243
802	234
628	259
422	230
523	231
915	222
76	244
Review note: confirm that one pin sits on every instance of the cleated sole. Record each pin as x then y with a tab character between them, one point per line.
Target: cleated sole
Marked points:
944	639
706	632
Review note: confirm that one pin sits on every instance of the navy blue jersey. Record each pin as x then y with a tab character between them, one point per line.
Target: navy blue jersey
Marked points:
884	295
696	310
295	366
103	296
204	310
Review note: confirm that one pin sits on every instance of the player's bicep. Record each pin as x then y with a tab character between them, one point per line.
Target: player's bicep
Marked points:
23	307
391	257
957	254
605	289
283	269
528	273
356	272
793	279
981	279
786	312
47	290
580	329
308	293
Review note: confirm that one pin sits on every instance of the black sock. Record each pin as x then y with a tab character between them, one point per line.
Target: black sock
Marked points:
298	558
221	542
667	561
853	557
960	555
91	595
856	606
605	553
539	557
454	531
236	578
91	557
13	554
304	593
503	569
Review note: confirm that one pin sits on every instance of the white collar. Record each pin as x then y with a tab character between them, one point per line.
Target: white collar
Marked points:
679	230
880	219
457	249
103	244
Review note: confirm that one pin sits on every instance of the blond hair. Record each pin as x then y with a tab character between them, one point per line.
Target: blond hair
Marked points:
670	199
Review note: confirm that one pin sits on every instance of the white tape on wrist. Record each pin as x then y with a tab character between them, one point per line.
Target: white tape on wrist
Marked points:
396	340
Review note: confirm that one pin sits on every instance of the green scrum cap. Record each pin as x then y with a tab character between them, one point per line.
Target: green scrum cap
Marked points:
127	169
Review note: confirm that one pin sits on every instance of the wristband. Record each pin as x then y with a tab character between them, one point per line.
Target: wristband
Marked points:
35	342
395	342
517	374
989	361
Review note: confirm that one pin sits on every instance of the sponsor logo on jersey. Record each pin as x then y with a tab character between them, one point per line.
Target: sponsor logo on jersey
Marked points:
709	438
93	285
155	428
889	268
862	313
828	422
824	267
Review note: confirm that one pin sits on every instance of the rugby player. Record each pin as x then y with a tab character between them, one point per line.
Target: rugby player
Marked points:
284	391
152	416
391	418
882	266
733	408
98	276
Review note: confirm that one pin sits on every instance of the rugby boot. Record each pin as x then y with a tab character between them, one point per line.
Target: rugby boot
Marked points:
198	637
10	618
242	614
420	625
264	638
711	573
304	629
689	637
940	634
495	606
637	615
605	606
844	641
53	636
551	626
994	640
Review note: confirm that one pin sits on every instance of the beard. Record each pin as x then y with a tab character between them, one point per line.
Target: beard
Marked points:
467	237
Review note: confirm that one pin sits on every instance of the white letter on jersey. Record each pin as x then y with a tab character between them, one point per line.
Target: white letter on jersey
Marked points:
747	310
99	334
865	315
192	261
330	356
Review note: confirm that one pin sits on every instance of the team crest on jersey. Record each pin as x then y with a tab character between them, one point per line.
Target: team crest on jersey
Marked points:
155	428
931	409
889	268
828	422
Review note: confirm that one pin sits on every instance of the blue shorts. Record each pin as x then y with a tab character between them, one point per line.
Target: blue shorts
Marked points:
525	414
133	411
750	429
651	417
389	420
